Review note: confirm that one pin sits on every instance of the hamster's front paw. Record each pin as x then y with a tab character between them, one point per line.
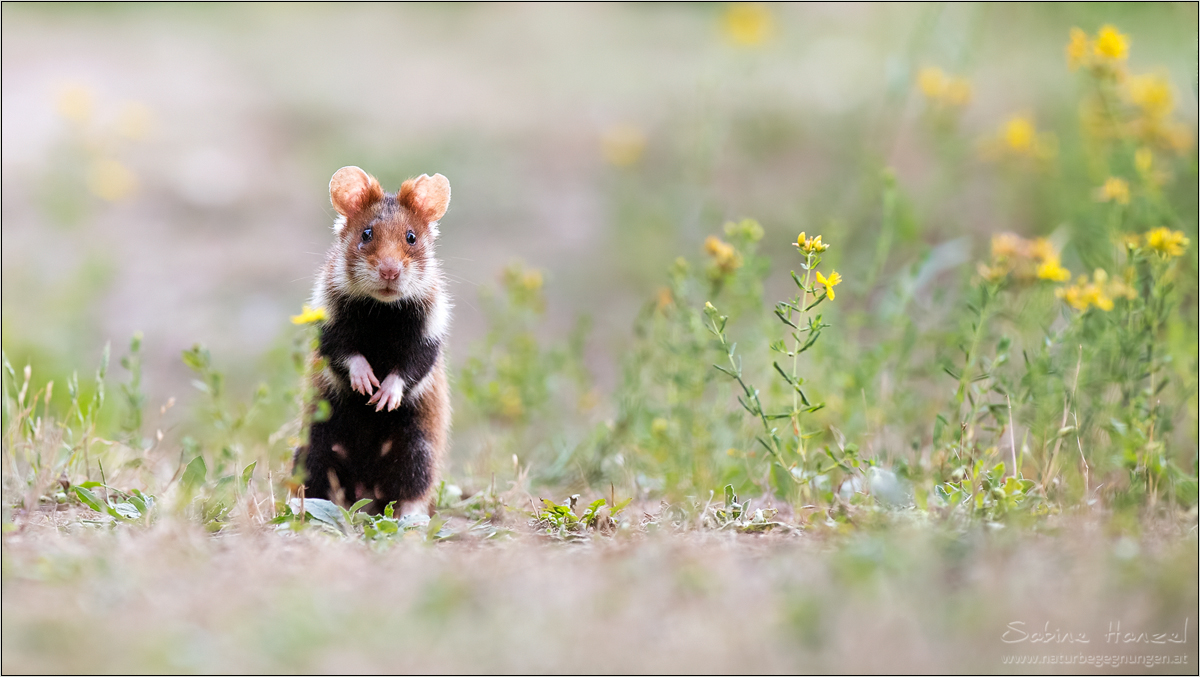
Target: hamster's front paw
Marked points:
362	377
390	393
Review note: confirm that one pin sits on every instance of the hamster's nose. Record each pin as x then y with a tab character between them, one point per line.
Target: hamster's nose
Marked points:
389	269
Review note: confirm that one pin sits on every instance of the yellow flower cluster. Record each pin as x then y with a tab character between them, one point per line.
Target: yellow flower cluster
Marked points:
1109	48
1098	293
1150	95
942	89
1114	190
1024	260
1166	243
309	315
810	244
725	257
1154	99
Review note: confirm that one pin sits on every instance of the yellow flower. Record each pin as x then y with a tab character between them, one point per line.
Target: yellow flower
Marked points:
1152	93
932	82
664	299
1131	241
1111	44
1114	190
723	253
1168	243
1077	49
832	281
1052	270
110	180
943	89
747	24
1041	250
1098	293
75	103
1019	134
532	280
309	315
1007	245
623	145
1121	288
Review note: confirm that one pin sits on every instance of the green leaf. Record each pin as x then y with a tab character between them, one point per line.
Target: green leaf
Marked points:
784	374
89	499
359	505
125	511
326	512
139	503
195	473
247	475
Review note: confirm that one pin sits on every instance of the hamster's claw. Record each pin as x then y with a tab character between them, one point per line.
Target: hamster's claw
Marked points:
389	395
362	377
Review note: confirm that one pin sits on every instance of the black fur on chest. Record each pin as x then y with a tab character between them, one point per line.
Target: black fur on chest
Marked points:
391	336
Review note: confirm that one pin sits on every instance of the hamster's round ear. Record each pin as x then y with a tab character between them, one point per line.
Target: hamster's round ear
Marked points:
426	196
352	190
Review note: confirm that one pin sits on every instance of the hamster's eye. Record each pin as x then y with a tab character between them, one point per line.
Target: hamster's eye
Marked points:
367	235
411	238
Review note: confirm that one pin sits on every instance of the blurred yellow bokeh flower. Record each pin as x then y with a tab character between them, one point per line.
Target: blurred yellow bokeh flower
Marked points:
1083	295
830	282
623	145
532	280
1024	259
1019	134
1167	242
75	103
1078	49
724	255
309	315
1114	190
747	24
943	89
1152	93
110	180
1006	245
1098	293
1111	44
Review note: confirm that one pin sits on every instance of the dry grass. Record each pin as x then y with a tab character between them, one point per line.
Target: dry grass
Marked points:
911	598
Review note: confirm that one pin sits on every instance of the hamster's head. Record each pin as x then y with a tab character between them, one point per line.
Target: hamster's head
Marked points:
387	240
